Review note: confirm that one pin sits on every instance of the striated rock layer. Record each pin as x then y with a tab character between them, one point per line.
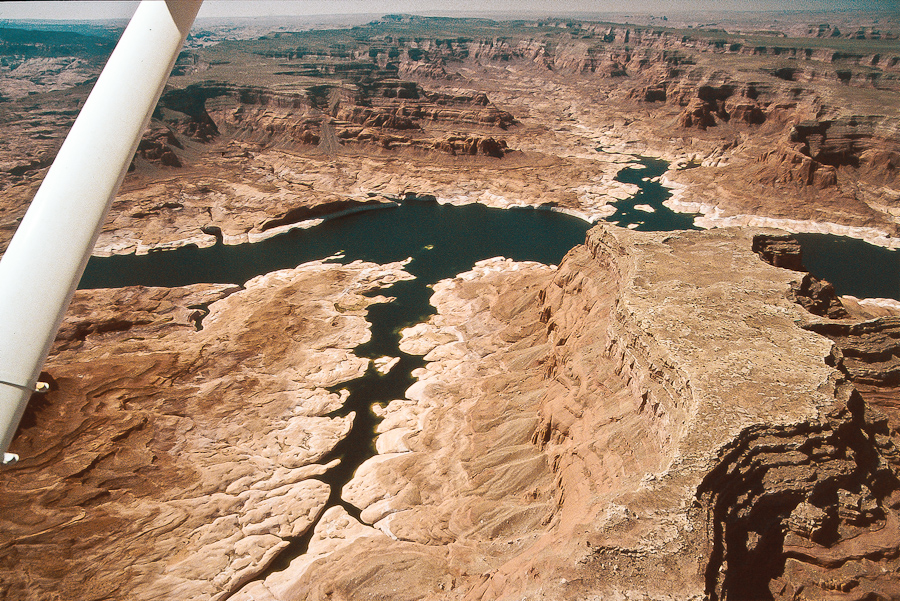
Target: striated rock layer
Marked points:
174	462
253	137
648	421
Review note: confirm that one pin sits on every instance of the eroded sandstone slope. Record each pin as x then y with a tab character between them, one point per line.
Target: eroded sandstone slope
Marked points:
654	418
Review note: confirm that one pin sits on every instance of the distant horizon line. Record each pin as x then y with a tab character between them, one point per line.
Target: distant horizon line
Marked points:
526	13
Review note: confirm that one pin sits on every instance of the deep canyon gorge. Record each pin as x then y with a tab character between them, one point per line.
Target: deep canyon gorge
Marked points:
624	414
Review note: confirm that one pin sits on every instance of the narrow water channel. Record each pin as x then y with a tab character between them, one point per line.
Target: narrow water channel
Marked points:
645	210
442	241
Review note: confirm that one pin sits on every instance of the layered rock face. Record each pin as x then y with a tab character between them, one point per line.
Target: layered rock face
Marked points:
687	341
376	113
656	418
170	461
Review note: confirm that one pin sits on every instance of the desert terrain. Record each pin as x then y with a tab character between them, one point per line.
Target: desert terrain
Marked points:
662	415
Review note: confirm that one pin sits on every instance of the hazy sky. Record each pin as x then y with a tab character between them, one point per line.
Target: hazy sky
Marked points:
251	8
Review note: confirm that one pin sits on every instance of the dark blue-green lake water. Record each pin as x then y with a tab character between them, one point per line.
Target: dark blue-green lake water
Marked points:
853	266
652	194
460	236
443	240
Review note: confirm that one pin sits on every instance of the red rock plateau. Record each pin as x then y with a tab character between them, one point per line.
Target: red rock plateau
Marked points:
672	415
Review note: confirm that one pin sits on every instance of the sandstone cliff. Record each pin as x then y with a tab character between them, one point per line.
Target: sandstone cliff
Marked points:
256	136
656	418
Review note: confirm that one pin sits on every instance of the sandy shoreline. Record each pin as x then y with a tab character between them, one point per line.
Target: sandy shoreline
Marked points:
711	216
597	202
